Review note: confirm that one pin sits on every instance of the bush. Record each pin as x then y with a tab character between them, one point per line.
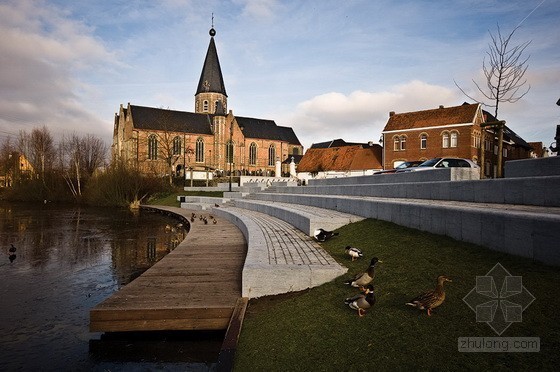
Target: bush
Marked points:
122	186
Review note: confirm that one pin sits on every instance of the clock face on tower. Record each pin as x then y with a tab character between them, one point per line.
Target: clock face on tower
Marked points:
206	85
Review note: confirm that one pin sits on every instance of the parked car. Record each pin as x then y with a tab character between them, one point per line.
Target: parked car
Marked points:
406	164
436	163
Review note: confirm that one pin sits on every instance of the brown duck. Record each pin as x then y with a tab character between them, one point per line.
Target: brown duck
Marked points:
431	299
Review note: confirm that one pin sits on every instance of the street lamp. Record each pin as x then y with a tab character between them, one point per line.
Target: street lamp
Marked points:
230	152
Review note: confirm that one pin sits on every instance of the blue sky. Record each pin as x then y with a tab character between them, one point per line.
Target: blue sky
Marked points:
329	69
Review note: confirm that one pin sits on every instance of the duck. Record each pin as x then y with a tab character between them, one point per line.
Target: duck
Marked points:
364	278
353	252
12	249
214	221
205	221
322	235
429	300
192	218
363	301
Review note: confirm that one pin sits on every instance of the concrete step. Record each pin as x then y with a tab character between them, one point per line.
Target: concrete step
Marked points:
527	231
305	218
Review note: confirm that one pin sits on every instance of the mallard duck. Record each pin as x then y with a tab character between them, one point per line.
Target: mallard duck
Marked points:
431	299
366	277
322	235
353	252
362	301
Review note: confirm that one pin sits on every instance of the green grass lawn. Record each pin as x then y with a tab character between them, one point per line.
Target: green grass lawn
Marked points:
315	330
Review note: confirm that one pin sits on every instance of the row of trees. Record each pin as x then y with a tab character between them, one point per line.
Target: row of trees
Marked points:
34	158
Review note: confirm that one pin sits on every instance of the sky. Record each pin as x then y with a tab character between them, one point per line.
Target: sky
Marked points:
327	68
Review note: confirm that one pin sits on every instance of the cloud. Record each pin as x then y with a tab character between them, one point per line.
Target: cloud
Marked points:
258	9
360	116
42	54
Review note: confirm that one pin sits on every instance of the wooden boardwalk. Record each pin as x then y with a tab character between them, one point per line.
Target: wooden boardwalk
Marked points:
195	287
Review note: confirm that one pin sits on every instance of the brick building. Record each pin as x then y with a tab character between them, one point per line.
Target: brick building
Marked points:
448	132
158	141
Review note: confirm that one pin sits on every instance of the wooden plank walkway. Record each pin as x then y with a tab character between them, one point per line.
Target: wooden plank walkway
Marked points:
195	287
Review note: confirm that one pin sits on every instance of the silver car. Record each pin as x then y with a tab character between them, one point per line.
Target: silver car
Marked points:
436	163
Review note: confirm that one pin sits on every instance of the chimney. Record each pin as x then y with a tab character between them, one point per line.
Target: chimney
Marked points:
440	106
391	113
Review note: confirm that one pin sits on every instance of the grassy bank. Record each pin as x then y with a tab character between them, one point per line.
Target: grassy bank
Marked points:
315	330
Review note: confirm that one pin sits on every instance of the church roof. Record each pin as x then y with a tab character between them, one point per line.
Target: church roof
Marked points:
150	118
211	79
266	129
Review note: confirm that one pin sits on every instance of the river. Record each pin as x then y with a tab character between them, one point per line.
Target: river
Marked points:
57	263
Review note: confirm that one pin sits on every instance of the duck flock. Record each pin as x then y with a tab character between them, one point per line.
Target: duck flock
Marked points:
363	280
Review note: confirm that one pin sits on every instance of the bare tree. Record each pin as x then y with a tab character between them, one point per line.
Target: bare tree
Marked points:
504	68
81	157
38	148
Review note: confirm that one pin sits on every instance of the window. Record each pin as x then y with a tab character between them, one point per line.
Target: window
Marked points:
396	143
453	139
205	106
423	141
253	153
505	152
229	152
177	145
216	105
403	143
199	151
271	155
152	147
295	151
445	140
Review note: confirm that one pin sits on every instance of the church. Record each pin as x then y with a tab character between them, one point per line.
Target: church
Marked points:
157	141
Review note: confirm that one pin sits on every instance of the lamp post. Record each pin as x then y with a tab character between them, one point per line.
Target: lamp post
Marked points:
230	152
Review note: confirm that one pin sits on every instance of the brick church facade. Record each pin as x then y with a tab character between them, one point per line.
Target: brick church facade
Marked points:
158	141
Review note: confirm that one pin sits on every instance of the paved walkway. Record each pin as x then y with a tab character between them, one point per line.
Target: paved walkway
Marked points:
280	258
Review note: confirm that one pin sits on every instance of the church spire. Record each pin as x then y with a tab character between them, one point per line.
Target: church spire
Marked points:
211	79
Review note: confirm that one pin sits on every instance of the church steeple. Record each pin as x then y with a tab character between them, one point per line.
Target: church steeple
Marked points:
211	96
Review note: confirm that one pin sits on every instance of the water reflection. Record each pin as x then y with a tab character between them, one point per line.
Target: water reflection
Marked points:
67	260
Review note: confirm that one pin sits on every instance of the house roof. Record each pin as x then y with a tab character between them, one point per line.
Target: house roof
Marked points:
211	79
442	116
344	158
266	129
339	142
150	118
512	136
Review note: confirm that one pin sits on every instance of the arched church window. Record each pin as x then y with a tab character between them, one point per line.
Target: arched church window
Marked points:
271	155
205	106
152	147
229	152
253	153
199	150
177	145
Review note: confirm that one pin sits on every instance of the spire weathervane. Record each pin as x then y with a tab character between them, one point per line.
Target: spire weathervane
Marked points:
212	31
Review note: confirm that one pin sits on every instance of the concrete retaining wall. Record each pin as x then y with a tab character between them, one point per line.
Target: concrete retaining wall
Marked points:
533	167
541	191
433	175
